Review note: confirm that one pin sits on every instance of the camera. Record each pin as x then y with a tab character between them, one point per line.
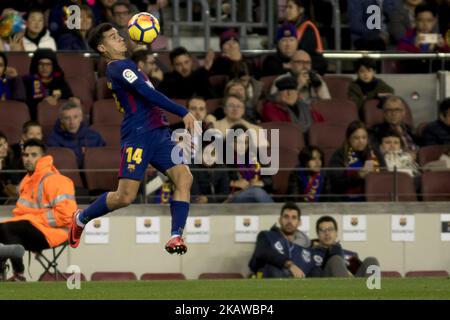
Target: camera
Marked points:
314	79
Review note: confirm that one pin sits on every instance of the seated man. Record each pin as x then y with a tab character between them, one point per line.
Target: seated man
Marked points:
282	251
438	132
71	132
329	255
44	210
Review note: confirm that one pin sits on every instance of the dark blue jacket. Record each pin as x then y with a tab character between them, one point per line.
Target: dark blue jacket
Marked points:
322	254
71	40
273	250
85	137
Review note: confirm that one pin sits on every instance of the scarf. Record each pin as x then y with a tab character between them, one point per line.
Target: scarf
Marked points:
5	92
39	88
311	185
300	114
355	161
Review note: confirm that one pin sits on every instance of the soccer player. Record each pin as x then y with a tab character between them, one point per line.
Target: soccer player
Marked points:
145	138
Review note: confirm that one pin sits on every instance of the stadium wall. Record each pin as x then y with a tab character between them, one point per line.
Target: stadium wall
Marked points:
223	254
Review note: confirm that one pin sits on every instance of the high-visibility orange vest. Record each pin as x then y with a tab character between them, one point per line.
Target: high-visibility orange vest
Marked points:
301	29
47	201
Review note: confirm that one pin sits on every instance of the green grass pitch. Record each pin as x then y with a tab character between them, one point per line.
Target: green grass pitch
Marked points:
249	289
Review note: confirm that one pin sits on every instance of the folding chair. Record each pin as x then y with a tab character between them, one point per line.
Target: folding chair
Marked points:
52	262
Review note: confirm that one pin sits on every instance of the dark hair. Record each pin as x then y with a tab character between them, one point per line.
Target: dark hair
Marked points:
3	136
239	69
96	35
35	143
444	106
307	154
291	206
140	55
352	127
179	51
424	7
391	133
120	3
325	219
32	10
394	98
228	96
369	63
5	60
30	123
194	97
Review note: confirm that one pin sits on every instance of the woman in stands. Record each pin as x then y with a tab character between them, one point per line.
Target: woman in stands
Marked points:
354	161
74	39
36	34
307	184
11	86
238	87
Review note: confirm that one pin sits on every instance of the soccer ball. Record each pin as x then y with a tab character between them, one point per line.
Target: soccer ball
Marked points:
143	28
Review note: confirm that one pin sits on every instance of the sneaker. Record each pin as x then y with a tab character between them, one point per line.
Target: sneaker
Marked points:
75	231
17	277
176	245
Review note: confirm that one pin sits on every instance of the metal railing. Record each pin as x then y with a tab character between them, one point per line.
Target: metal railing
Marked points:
266	14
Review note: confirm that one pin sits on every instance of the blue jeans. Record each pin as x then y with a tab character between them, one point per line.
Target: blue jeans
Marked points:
252	194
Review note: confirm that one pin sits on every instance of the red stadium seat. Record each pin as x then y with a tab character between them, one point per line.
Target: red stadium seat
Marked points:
111	134
105	112
13	113
220	275
65	159
82	90
47	116
164	58
380	187
21	61
267	84
113	276
431	153
101	89
48	276
13	133
427	274
160	43
213	104
436	186
390	274
328	137
76	65
288	160
338	85
163	276
218	83
336	111
101	158
290	134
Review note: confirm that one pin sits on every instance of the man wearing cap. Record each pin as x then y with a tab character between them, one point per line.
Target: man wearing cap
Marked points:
310	84
287	106
287	44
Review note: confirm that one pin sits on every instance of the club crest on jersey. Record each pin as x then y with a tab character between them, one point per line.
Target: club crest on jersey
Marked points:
279	247
318	259
129	75
306	255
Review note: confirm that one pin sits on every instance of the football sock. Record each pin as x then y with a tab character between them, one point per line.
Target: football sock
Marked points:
179	211
97	209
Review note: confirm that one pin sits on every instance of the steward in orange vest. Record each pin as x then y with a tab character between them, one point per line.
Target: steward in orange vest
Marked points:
44	209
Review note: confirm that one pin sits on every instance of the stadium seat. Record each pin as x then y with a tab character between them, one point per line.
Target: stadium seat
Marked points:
76	65
290	135
420	128
82	90
218	83
101	158
427	274
21	61
373	113
391	274
267	82
13	113
338	85
380	187
160	43
48	276
105	112
65	159
163	276
220	275
47	116
164	58
111	134
435	186
113	276
213	104
13	133
288	160
328	137
101	89
336	111
431	153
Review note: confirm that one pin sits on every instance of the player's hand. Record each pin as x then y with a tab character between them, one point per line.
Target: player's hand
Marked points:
303	79
296	271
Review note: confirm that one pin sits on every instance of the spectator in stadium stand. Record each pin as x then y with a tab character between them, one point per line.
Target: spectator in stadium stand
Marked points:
230	54
44	209
185	81
334	260
45	81
36	34
8	181
415	40
289	107
11	85
30	130
122	12
402	19
308	183
367	86
246	181
283	251
394	112
287	43
71	132
391	147
211	182
362	37
146	62
234	109
310	83
74	39
356	158
237	87
308	34
438	132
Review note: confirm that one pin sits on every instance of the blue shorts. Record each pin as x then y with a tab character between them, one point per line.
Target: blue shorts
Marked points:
153	147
